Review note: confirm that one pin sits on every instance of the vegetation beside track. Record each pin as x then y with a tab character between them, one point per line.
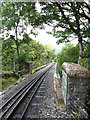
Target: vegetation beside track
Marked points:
70	53
7	82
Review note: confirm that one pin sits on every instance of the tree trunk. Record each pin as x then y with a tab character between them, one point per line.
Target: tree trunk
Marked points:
14	66
17	45
81	49
18	50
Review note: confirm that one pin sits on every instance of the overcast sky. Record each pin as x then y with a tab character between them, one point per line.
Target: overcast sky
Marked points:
45	38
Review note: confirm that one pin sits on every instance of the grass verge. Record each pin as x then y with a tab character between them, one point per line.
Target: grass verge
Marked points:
7	82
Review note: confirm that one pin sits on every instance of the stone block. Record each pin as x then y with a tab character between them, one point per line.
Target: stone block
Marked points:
77	80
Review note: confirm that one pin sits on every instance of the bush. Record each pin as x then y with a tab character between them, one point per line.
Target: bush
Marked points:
8	82
69	53
84	62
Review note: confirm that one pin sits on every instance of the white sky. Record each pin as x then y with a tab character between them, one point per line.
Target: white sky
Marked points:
45	38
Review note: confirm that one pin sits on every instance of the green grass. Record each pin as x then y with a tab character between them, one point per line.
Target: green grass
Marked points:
7	82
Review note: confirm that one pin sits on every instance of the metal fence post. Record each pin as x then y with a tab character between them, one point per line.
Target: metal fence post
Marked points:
57	72
67	92
60	76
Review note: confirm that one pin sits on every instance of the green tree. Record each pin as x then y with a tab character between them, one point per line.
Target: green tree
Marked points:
50	52
34	51
69	19
9	54
85	61
69	53
16	17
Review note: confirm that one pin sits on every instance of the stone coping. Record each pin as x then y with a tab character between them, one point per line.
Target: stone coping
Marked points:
75	70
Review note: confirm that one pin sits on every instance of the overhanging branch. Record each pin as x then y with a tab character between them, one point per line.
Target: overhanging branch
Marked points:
66	19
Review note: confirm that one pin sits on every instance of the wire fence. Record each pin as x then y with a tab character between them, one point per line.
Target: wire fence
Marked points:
77	108
74	106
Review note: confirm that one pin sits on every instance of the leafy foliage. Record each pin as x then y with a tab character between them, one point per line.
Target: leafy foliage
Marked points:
69	19
16	17
69	53
85	62
34	51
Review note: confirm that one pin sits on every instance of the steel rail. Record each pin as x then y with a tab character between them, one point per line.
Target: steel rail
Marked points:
11	108
33	94
18	92
23	114
12	102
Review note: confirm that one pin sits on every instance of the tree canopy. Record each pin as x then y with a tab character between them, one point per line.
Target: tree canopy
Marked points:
16	17
34	51
18	23
20	19
69	19
69	53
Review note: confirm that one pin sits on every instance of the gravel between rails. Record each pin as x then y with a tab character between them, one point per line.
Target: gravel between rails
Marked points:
16	86
45	104
51	108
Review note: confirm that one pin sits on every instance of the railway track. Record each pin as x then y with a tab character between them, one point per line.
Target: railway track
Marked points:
23	97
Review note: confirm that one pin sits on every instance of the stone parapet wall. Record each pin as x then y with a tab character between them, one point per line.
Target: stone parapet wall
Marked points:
77	80
63	85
